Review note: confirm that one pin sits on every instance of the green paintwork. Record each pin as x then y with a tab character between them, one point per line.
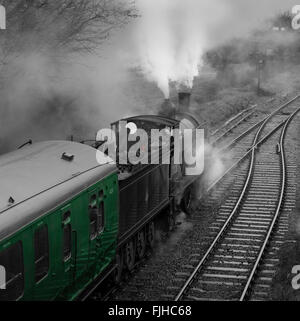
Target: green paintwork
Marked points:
65	280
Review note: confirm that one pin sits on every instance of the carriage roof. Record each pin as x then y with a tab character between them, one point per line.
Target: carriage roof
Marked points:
40	177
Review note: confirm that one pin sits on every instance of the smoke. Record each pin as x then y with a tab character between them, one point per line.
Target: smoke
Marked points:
61	73
53	100
173	34
46	94
50	95
171	41
217	162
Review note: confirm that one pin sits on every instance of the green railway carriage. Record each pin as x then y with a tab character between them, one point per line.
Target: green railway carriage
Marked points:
58	220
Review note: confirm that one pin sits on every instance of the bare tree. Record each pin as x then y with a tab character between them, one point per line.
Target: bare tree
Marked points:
56	28
283	20
47	33
221	57
68	25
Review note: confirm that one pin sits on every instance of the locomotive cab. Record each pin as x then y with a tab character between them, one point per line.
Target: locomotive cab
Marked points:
180	184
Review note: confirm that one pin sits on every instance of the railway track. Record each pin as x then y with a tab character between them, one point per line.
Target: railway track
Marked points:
238	127
224	195
237	144
218	135
234	262
243	125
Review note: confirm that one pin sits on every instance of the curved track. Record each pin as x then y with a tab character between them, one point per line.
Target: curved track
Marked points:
228	268
243	131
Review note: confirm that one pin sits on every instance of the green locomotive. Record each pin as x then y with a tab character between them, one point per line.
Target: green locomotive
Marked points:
67	222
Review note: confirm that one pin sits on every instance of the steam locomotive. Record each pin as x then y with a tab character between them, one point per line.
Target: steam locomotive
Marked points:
67	223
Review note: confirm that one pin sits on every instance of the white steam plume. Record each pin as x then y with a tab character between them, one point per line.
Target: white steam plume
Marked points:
172	40
173	34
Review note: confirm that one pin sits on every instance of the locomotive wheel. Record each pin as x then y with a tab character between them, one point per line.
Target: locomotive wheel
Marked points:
186	201
119	270
141	245
151	235
130	255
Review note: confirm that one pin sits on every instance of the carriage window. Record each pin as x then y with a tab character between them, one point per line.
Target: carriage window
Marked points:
12	261
96	215
66	216
93	214
67	242
41	253
67	236
101	217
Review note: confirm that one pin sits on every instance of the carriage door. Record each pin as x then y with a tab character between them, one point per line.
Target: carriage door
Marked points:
96	224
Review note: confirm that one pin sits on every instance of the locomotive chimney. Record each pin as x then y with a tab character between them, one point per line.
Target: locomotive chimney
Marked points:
167	108
184	100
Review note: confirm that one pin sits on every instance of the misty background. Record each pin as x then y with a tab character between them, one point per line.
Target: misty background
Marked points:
71	67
